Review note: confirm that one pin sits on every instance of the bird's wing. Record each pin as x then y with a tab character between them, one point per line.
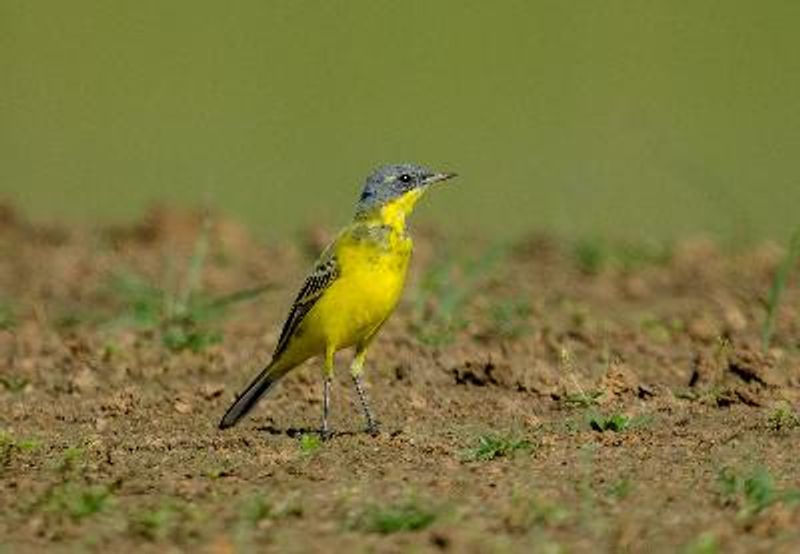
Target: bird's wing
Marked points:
325	272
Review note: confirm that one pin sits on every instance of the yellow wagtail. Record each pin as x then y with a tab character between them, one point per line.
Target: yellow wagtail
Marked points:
352	290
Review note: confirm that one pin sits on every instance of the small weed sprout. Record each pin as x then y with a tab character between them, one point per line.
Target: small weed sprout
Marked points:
527	513
409	515
593	255
778	286
9	445
309	444
614	422
257	508
490	447
580	399
173	519
181	318
753	493
586	491
71	497
28	445
70	460
256	513
510	317
78	501
8	319
254	510
152	525
783	418
706	543
620	489
14	384
662	330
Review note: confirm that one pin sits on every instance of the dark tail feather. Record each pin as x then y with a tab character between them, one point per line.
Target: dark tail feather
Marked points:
260	386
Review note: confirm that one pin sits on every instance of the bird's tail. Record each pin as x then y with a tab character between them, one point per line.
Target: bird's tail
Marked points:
262	384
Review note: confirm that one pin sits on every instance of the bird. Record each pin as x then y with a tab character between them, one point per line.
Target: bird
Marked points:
352	290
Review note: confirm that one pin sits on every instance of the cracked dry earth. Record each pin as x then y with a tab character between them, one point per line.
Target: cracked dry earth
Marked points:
550	404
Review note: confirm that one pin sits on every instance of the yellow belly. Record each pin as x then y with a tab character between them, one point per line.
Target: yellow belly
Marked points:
353	308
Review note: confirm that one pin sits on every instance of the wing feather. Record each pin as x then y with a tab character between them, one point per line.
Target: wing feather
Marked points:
324	274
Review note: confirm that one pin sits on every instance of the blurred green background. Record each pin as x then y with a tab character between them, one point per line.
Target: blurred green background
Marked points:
634	119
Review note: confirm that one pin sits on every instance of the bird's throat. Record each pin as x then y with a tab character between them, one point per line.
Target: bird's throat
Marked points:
394	213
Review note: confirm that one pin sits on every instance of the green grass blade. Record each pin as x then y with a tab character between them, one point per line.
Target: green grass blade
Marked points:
778	286
195	271
235	297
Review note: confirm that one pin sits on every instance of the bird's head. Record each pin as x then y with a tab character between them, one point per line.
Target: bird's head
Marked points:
398	186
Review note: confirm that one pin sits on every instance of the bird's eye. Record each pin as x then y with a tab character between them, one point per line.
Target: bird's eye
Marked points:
405	178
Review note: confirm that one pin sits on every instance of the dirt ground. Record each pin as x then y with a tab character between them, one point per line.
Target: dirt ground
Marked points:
543	396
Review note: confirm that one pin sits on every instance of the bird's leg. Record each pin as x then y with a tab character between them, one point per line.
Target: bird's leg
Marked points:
355	370
372	424
326	432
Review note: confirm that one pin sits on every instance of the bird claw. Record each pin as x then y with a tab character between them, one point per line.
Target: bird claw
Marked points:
326	434
373	429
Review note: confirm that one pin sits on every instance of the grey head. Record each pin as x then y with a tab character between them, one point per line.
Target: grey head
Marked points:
390	182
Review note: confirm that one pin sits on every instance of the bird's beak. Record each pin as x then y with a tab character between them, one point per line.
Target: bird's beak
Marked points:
436	177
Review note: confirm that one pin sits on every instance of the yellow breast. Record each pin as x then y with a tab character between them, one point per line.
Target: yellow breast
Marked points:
371	279
372	256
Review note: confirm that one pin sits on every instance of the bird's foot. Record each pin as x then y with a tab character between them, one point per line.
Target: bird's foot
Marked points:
326	433
373	429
